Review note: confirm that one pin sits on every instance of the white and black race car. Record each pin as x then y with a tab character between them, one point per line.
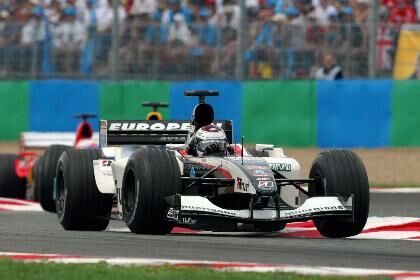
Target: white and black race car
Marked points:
143	176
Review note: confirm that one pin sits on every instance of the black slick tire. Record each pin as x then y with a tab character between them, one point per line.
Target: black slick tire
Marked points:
44	181
11	185
341	172
80	205
151	174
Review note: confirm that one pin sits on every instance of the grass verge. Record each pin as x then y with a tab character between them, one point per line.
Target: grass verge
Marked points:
21	271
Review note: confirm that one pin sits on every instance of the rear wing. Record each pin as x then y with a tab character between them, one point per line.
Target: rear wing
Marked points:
127	132
42	140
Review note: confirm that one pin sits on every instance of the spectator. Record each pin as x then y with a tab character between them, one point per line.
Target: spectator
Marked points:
353	43
179	38
329	70
179	33
361	11
315	43
204	41
262	52
402	13
207	32
229	15
322	12
98	19
141	7
35	41
389	3
68	41
224	65
385	41
9	42
294	40
35	30
53	11
175	7
334	39
90	20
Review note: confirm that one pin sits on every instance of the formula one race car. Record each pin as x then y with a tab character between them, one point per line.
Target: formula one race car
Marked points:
35	164
158	175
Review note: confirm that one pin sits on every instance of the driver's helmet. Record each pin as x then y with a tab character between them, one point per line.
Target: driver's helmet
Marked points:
209	139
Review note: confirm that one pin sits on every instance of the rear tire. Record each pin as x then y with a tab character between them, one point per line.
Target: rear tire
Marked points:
45	178
341	172
151	175
10	184
80	205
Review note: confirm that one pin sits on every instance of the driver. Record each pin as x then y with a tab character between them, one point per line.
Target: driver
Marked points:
204	138
208	140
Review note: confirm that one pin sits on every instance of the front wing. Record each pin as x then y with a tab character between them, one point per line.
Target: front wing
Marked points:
196	207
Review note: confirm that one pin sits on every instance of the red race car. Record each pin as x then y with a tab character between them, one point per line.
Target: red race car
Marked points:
30	174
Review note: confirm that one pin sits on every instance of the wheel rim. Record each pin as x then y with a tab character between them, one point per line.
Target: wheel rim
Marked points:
318	189
61	193
129	195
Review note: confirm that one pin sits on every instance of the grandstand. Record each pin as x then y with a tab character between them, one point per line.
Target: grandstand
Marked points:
203	39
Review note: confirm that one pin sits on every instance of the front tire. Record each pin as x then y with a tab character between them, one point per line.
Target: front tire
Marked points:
10	184
341	172
80	205
151	175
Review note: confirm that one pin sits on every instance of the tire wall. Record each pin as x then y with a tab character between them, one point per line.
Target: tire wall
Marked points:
359	113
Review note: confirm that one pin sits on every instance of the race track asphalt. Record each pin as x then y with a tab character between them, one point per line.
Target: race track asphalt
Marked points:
37	232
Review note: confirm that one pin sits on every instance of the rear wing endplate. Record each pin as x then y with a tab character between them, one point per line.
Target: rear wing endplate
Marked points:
128	132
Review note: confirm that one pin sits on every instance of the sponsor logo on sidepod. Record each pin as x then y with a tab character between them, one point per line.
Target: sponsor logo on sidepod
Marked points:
281	166
265	184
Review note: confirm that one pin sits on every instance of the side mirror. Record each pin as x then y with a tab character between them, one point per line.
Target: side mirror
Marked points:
264	147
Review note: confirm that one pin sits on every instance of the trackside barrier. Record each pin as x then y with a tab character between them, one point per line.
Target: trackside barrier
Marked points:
346	114
14	109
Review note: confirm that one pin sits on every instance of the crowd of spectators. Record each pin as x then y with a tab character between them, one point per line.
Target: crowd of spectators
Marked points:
197	38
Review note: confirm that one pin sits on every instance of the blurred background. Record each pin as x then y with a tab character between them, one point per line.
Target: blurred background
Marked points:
205	39
304	74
